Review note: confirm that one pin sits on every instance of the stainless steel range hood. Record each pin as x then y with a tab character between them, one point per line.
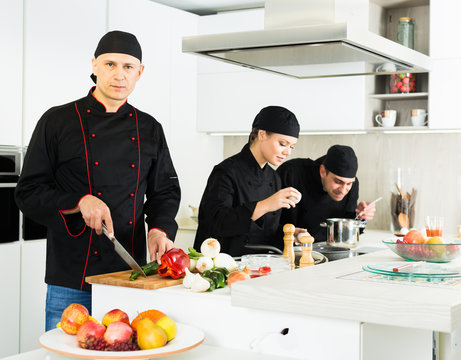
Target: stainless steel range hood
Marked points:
322	48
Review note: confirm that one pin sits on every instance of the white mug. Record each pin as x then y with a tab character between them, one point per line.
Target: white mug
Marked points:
386	118
418	117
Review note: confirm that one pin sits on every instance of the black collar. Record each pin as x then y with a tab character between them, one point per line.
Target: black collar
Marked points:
96	106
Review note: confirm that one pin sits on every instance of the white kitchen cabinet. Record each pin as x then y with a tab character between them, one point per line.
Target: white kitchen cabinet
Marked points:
9	298
33	293
445	29
11	35
60	39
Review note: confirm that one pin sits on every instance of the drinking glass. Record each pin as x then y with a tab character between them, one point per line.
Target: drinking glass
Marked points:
434	225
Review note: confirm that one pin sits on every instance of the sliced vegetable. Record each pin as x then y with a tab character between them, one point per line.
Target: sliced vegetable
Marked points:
210	247
149	269
174	263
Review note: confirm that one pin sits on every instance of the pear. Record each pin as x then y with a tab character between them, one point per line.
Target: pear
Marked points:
150	335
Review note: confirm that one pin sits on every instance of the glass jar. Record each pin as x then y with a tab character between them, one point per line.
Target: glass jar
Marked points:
402	83
405	32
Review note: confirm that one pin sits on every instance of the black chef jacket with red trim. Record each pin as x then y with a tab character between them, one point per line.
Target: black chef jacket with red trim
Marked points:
123	159
316	205
228	202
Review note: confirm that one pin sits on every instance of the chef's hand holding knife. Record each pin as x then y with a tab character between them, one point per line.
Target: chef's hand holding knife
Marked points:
95	211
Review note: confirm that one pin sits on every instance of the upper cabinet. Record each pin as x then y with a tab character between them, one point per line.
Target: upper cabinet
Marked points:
385	90
57	71
11	34
446	60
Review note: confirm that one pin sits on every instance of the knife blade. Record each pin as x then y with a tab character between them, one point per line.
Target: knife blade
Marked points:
125	255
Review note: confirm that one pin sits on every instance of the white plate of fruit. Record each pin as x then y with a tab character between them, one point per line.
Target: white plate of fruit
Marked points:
150	334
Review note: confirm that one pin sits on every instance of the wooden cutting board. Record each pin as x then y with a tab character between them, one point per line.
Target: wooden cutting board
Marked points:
122	278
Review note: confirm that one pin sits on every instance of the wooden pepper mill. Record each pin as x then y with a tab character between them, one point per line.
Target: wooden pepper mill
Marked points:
288	239
306	259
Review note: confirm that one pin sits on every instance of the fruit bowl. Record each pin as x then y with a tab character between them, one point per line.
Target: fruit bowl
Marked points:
438	253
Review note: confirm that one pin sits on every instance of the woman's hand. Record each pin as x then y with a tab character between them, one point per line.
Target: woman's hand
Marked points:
284	198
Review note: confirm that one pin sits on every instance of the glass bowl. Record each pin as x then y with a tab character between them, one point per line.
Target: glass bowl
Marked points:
264	264
438	253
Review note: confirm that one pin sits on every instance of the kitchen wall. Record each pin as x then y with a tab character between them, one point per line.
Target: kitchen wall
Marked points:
435	159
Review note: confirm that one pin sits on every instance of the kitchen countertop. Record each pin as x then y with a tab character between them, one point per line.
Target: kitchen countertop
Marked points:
202	352
319	291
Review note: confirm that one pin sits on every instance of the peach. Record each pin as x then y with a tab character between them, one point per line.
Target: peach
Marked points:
74	316
118	331
115	315
89	328
414	237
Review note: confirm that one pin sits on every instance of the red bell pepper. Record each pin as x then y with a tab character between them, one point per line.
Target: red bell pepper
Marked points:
174	263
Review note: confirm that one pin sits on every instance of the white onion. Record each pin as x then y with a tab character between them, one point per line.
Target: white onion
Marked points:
210	247
226	261
204	263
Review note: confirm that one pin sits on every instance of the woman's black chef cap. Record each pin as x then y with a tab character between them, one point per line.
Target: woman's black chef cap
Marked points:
341	161
118	42
277	119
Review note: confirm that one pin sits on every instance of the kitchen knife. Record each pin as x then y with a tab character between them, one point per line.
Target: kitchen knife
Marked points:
119	249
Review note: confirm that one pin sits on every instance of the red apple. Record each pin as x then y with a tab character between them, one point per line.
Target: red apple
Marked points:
115	315
414	237
118	331
89	328
73	316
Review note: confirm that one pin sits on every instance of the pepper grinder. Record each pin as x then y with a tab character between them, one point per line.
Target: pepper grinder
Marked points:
288	239
306	259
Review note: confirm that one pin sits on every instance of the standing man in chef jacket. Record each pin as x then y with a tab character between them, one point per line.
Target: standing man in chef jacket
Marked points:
99	160
329	189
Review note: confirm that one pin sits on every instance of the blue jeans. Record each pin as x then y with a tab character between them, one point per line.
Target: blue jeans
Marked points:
58	298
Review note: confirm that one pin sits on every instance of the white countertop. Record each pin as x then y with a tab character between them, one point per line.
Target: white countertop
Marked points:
317	291
202	352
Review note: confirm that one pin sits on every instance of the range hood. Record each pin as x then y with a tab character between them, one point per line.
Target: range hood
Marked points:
310	39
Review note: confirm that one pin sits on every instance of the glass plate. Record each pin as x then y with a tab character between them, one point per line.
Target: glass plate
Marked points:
58	341
415	269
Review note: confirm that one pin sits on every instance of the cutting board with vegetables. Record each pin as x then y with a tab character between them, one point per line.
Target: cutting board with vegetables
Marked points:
122	278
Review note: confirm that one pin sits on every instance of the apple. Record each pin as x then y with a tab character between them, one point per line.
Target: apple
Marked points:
118	331
89	328
74	316
115	315
414	237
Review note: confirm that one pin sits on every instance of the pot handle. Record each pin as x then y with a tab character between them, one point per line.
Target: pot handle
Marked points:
362	225
323	224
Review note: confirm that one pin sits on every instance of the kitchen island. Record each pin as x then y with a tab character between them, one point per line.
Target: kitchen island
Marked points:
329	311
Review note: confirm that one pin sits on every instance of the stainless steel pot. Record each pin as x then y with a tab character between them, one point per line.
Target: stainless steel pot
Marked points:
343	232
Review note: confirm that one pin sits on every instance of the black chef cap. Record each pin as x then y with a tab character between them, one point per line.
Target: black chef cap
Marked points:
277	119
118	42
341	161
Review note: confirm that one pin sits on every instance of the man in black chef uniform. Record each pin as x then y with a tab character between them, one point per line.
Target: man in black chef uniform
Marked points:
99	159
329	189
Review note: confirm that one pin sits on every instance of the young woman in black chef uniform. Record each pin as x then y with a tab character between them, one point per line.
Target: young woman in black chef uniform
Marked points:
243	198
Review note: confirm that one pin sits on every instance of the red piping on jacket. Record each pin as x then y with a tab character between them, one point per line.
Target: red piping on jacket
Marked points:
137	183
89	185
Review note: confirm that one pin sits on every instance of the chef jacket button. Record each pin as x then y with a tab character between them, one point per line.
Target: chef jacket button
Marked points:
132	165
130	222
133	139
96	163
95	252
130	114
131	194
93	135
99	193
88	111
